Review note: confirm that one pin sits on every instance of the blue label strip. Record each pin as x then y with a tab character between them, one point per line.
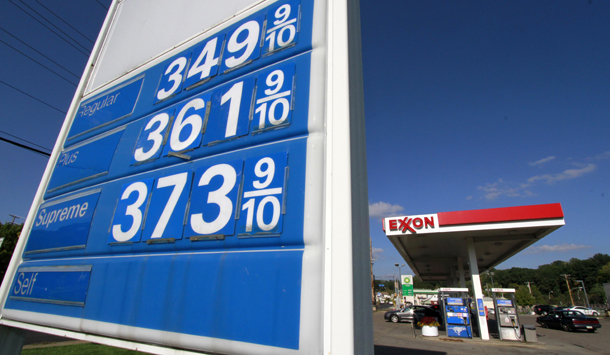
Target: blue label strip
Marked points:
113	105
84	162
63	225
65	285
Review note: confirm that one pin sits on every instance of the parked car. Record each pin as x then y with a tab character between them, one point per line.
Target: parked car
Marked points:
543	309
568	321
586	311
410	313
435	311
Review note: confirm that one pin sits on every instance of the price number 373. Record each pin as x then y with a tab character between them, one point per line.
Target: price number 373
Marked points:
222	196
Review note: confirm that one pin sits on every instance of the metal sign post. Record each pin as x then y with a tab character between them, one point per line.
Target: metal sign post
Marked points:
207	148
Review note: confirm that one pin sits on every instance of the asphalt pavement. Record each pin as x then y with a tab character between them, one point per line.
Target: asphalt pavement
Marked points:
403	338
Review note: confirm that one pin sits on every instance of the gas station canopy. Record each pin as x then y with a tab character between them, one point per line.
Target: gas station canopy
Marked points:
436	246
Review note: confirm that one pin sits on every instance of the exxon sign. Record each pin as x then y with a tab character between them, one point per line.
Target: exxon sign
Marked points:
420	224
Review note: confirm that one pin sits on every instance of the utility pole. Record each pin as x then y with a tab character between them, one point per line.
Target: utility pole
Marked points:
569	289
372	274
14	217
528	286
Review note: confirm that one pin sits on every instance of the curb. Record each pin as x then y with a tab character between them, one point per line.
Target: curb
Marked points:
52	345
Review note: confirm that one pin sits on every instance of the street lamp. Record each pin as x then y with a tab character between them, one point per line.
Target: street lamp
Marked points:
584	289
399	275
400	281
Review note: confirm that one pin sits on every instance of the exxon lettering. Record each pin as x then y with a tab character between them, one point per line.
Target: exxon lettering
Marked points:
411	224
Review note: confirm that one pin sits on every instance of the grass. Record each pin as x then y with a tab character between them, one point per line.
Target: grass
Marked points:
79	349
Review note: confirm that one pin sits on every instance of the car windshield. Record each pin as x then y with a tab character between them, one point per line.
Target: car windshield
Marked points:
573	314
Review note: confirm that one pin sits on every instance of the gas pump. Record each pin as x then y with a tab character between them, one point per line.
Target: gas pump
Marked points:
506	315
456	311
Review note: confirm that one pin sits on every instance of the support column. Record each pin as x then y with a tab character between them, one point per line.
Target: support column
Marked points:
461	272
11	340
453	277
476	285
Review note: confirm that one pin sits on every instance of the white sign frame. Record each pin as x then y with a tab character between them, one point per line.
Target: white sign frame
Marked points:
336	207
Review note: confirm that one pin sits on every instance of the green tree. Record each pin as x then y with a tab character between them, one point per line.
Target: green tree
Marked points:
597	294
10	232
420	284
603	275
388	286
523	296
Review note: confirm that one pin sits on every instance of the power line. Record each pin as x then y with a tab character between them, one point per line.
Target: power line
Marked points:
55	33
52	24
62	20
8	134
25	147
37	62
34	49
25	93
102	5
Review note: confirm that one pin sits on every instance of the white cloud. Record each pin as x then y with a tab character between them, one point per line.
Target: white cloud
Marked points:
377	253
491	191
542	161
565	175
555	248
383	210
604	155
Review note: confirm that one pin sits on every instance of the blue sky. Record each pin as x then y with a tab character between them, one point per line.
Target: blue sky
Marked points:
484	104
469	105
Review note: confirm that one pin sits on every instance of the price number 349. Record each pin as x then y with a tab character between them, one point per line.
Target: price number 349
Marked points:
231	50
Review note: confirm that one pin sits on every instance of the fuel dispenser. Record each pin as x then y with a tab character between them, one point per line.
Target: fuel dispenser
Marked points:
456	312
506	315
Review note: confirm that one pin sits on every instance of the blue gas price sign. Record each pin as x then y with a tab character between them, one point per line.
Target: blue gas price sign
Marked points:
195	176
180	183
